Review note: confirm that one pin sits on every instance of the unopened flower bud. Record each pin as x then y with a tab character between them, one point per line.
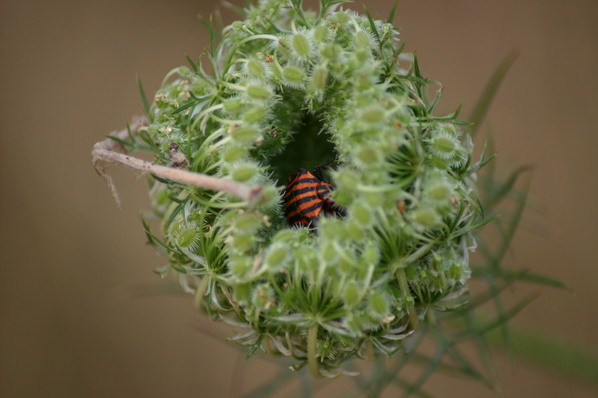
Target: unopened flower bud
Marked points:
256	68
244	172
293	74
301	45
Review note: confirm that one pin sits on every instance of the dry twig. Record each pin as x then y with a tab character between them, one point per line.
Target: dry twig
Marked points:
111	151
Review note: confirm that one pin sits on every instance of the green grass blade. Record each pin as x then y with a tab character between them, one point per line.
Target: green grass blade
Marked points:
214	35
542	279
193	64
523	276
482	162
183	107
416	70
152	239
503	189
512	228
125	143
488	177
436	100
481	107
144	102
393	10
372	25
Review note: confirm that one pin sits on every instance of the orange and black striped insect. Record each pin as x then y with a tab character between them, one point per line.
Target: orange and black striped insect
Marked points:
306	196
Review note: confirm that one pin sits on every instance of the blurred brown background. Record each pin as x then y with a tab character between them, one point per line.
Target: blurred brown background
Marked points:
70	261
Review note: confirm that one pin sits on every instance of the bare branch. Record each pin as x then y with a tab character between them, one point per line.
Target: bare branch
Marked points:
109	151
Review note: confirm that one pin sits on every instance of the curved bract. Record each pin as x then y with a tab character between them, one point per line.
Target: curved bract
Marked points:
292	89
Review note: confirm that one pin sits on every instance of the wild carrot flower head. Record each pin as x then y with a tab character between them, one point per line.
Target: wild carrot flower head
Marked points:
294	89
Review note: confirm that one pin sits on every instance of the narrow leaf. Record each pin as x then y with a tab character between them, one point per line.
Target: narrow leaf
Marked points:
543	280
144	102
193	64
505	188
183	107
512	228
372	24
482	162
481	107
524	276
209	25
416	67
436	100
121	141
393	10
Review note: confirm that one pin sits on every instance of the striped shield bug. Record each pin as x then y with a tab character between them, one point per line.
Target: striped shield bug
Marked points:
306	196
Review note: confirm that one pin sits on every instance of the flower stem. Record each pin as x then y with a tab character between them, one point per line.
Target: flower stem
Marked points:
402	278
200	291
312	361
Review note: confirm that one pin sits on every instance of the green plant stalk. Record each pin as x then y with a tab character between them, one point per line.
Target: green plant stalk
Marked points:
312	360
405	290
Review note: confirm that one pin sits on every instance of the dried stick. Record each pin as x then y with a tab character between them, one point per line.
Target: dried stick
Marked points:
110	151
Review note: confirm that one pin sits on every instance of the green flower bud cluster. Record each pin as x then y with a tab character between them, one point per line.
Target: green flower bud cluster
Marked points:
293	89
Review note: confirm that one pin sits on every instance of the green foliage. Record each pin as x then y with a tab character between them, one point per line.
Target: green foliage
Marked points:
293	88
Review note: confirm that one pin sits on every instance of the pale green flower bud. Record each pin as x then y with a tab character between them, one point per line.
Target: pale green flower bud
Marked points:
240	265
242	243
233	105
188	237
256	68
373	114
362	213
351	294
330	51
259	92
268	198
301	46
247	223
245	134
318	78
234	153
444	145
244	172
293	75
438	192
321	33
276	256
362	39
255	115
328	254
378	304
425	218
